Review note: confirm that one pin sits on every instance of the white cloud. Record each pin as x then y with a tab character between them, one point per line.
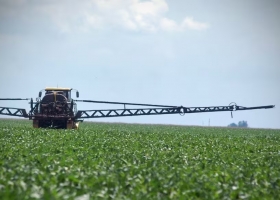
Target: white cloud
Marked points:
188	23
168	25
132	14
88	15
191	24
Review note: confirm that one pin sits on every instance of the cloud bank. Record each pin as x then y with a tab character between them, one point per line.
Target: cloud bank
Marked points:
87	15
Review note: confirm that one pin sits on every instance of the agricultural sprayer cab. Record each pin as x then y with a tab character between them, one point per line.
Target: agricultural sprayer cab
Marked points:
57	109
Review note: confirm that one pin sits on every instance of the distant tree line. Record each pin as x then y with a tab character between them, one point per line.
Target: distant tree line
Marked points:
242	124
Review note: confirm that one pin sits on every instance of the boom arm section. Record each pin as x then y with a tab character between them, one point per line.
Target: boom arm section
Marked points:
18	112
159	110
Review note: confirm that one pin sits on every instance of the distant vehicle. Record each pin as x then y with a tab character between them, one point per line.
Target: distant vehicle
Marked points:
57	109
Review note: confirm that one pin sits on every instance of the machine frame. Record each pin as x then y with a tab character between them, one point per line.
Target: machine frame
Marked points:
57	109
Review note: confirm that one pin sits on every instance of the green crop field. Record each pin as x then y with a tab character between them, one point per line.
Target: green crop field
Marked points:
128	161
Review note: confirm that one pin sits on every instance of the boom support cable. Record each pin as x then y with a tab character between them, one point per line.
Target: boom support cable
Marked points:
123	103
14	99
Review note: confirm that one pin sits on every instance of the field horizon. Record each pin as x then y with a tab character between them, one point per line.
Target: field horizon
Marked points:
156	124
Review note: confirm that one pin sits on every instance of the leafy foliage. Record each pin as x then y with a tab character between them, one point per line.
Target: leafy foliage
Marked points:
243	124
123	161
233	125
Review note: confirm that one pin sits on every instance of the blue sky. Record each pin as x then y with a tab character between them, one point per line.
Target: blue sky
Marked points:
180	52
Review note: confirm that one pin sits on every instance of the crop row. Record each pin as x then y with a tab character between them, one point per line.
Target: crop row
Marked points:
124	161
